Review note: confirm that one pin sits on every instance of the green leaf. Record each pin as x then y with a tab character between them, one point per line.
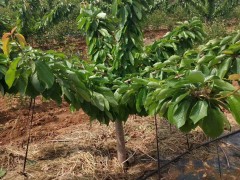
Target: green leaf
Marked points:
140	99
234	104
235	48
164	93
118	35
38	85
236	66
213	123
108	94
181	97
224	68
55	93
101	15
81	23
3	172
131	58
199	111
178	113
137	12
104	32
195	77
3	69
163	109
44	73
22	82
11	73
205	59
98	101
188	126
223	85
225	40
126	96
115	7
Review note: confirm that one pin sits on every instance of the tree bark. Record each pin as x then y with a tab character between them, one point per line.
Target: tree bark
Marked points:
121	149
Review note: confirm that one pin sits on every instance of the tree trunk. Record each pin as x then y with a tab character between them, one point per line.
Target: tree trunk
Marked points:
121	149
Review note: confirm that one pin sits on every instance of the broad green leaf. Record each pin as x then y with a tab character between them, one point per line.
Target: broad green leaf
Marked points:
126	96
108	94
236	66
225	40
11	73
79	87
181	97
55	93
37	84
114	7
131	58
153	85
101	15
223	85
44	73
216	60
224	68
174	58
188	126
81	23
235	48
140	81
236	38
205	59
22	83
199	111
163	108
140	100
164	93
213	123
118	35
98	101
195	77
137	12
234	104
124	15
104	32
178	113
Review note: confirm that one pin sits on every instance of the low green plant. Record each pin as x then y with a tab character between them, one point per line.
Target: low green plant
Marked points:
161	18
2	172
215	29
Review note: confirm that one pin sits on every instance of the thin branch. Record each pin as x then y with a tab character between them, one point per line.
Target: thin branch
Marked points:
31	108
158	153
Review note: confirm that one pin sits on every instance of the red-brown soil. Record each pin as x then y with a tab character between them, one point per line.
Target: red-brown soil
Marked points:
48	121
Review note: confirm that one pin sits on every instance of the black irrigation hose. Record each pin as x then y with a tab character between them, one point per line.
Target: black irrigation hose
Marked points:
148	174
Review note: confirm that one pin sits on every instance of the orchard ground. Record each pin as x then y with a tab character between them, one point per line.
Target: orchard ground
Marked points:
67	145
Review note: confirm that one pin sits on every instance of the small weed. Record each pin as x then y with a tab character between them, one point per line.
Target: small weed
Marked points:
2	172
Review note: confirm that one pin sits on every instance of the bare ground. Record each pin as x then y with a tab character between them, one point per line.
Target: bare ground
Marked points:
66	145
